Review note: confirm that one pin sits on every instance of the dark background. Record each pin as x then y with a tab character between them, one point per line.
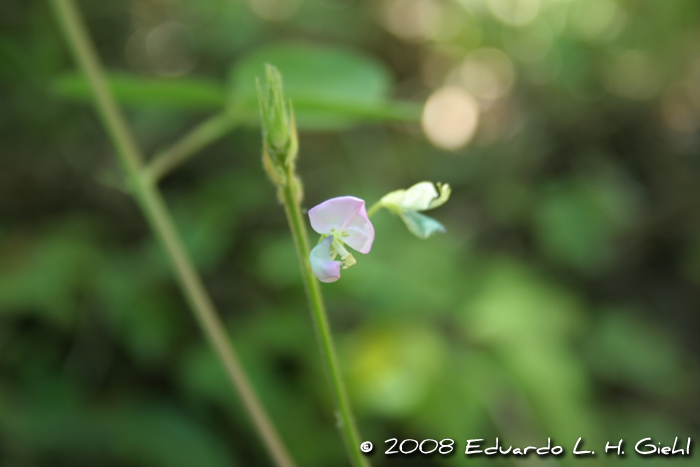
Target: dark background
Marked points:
562	302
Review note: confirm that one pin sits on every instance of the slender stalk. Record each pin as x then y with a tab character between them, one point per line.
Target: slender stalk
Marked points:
203	135
208	318
375	207
161	222
318	311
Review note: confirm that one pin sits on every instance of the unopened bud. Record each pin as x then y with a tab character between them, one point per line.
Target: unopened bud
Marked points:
278	129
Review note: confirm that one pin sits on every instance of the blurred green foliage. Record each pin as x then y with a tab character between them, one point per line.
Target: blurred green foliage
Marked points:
561	302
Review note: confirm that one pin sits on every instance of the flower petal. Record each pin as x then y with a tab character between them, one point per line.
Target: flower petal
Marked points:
358	234
419	197
322	265
335	213
393	200
421	226
445	192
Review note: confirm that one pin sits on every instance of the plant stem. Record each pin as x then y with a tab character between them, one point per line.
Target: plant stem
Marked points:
206	133
156	212
208	318
375	207
318	311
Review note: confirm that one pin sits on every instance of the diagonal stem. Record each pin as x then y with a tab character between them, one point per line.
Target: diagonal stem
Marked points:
158	216
206	133
346	421
375	207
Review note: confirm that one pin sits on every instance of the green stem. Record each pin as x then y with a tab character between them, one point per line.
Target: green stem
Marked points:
346	422
161	223
203	135
375	207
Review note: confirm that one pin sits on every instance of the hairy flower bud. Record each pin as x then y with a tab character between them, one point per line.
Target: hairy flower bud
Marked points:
278	127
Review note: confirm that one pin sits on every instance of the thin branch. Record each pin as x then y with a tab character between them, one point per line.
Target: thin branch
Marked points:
375	207
203	135
155	210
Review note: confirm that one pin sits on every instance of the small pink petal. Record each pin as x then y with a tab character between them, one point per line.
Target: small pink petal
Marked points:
335	213
322	265
359	232
346	214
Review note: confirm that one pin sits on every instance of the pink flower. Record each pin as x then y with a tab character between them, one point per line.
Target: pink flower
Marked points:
342	220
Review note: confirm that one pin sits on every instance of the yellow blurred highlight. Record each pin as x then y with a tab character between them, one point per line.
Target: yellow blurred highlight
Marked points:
598	20
168	49
412	20
391	370
274	10
487	73
680	108
450	117
515	12
531	43
632	75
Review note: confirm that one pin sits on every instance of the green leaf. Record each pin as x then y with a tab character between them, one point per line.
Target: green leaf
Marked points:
45	276
577	221
628	351
329	88
136	91
527	321
391	369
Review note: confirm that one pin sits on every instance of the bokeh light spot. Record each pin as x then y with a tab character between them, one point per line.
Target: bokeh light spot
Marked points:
168	47
487	73
632	75
680	111
531	43
515	12
412	20
597	20
274	10
450	117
